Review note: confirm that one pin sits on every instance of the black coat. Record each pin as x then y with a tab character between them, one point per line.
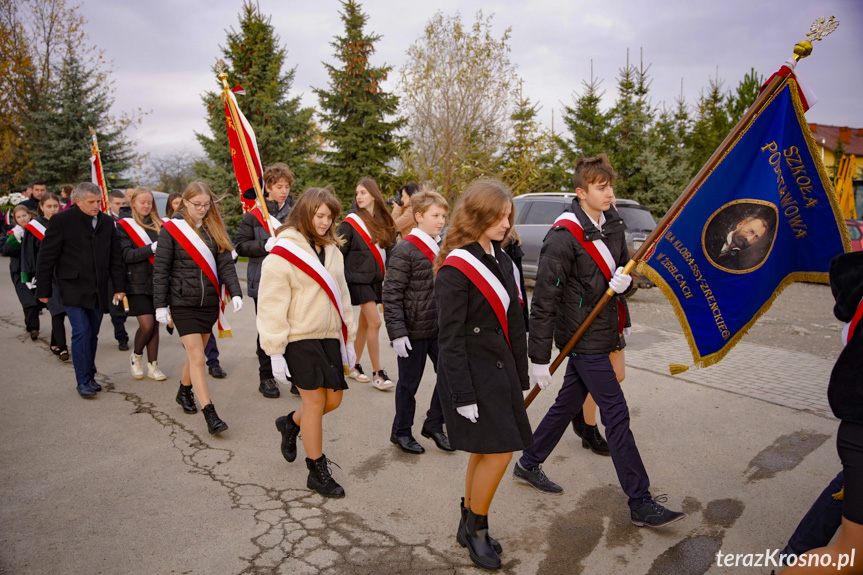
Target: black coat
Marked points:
82	259
139	270
13	250
568	285
179	281
476	365
408	294
29	258
361	267
251	239
845	390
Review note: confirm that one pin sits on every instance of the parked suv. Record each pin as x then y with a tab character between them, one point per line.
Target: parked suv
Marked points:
534	214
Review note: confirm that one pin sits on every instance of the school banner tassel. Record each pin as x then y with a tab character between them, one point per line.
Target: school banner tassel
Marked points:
223	326
97	174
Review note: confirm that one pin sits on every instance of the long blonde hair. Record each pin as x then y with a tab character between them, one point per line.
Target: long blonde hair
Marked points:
212	219
480	206
155	223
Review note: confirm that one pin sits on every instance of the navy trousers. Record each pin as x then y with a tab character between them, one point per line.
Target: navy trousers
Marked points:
410	373
118	318
212	351
85	336
820	523
265	368
593	373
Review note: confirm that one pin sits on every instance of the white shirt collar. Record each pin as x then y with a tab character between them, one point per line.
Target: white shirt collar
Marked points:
598	224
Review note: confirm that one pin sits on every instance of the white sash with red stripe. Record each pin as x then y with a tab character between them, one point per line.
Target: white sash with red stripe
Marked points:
424	243
311	266
36	228
138	234
194	245
851	327
597	250
274	223
359	226
485	281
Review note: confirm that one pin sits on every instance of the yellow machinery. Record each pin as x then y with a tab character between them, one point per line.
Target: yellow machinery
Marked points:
844	186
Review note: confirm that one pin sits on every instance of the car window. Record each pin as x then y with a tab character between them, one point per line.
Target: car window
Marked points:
544	213
636	219
854	232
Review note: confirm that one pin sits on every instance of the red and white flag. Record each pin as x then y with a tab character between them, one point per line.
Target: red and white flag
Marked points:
807	96
97	174
237	132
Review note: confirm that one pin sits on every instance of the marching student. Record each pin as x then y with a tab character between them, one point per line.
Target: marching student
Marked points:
582	256
11	246
193	260
368	235
410	314
138	230
254	240
49	206
116	202
482	367
308	328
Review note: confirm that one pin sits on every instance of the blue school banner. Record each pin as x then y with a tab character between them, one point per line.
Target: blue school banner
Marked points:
766	216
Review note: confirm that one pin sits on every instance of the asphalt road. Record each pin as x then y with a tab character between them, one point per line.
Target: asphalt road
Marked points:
128	483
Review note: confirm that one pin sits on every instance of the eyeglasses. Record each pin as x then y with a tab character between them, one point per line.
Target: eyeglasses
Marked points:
200	206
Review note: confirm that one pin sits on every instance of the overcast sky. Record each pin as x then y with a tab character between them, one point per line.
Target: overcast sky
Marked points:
162	51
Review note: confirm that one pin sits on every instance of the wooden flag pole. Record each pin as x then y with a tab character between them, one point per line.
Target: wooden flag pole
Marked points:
98	153
820	28
235	118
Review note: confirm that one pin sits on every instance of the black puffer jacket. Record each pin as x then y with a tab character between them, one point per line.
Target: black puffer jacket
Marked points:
408	294
360	265
179	281
251	239
845	390
568	285
139	270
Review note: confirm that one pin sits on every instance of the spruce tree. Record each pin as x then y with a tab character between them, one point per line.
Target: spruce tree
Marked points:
529	158
77	97
587	125
359	115
665	163
284	130
711	124
745	95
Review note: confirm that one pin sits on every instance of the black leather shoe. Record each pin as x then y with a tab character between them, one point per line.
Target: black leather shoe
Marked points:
294	390
593	440
439	437
123	345
84	390
407	443
459	535
34	335
214	424
186	399
653	514
269	387
217	372
321	478
578	423
474	536
94	385
289	430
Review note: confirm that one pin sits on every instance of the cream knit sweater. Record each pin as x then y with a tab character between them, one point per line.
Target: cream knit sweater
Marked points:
292	306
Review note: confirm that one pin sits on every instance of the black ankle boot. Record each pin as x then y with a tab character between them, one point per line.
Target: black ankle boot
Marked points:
289	431
460	537
186	399
320	478
214	425
578	423
475	538
593	440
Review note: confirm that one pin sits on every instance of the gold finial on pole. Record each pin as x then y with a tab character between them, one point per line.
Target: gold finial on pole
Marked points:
820	28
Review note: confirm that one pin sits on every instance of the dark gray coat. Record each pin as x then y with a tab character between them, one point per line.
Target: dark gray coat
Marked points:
569	283
139	270
408	294
476	365
251	239
360	265
179	281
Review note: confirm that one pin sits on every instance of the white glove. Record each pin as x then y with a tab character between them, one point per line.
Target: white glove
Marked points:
352	354
541	374
31	284
402	345
620	281
238	303
271	242
234	255
469	412
627	331
163	315
18	232
153	246
280	368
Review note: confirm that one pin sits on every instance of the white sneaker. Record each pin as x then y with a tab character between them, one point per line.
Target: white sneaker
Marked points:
137	368
153	372
381	381
356	373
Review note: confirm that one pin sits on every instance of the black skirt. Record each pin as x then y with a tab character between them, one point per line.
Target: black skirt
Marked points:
316	363
141	304
363	293
194	319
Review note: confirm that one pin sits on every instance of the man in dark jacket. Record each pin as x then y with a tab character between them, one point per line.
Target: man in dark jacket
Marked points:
580	259
255	241
410	314
82	251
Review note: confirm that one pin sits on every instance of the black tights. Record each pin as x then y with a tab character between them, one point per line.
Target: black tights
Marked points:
147	335
58	331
